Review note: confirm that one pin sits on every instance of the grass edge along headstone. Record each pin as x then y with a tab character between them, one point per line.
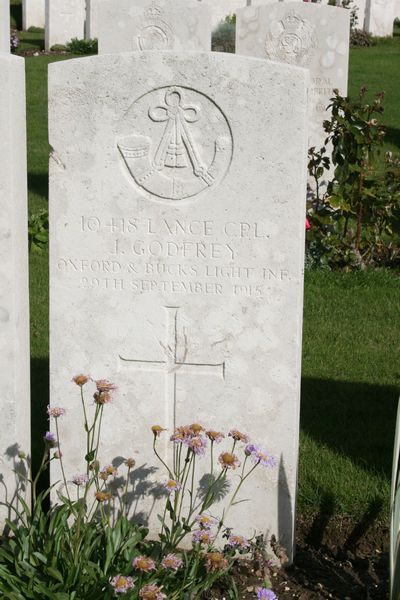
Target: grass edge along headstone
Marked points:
177	218
14	295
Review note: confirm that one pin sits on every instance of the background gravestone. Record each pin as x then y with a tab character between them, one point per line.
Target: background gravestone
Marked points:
91	27
124	25
33	13
4	26
303	34
177	210
14	298
379	17
65	19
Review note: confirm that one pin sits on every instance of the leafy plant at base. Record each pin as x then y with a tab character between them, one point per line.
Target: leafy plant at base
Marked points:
38	229
354	224
395	516
77	46
86	546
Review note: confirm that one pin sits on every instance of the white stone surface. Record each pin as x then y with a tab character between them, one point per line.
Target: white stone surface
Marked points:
124	26
65	19
177	210
379	17
14	304
91	28
397	9
304	34
33	13
4	26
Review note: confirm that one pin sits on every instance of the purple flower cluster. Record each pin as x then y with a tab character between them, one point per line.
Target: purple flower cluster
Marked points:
191	436
260	456
266	594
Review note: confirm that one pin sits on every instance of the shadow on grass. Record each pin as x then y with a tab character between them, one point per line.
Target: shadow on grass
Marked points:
393	136
355	419
39	421
39	184
16	16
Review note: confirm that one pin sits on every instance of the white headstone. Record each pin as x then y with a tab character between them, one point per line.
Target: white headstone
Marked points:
33	13
91	29
65	19
177	209
14	303
397	9
304	34
123	25
4	26
379	17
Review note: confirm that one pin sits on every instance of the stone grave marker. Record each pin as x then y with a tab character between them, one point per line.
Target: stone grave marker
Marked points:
304	34
177	210
4	26
14	304
33	13
124	26
91	27
379	17
65	19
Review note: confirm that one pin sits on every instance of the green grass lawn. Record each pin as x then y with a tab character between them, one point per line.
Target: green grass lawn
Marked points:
351	356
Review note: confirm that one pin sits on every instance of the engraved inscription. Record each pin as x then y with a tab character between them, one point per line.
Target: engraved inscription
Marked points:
182	143
292	40
155	33
174	362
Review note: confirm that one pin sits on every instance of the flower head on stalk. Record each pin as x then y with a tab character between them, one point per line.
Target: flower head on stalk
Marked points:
81	379
144	563
121	584
130	463
205	522
55	411
227	460
157	430
57	454
181	433
102	496
196	429
215	561
151	592
51	439
79	480
250	449
238	541
172	562
172	486
197	444
215	436
108	471
266	594
203	536
238	436
101	398
103	385
262	456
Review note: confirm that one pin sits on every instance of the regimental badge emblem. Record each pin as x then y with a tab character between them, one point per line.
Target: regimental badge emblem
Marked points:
292	40
154	33
182	143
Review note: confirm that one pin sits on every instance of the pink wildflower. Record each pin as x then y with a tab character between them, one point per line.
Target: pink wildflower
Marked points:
205	521
203	536
55	411
103	385
143	563
121	584
172	486
238	541
171	561
80	479
151	592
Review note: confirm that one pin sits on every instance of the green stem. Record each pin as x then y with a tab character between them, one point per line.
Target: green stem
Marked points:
62	463
161	460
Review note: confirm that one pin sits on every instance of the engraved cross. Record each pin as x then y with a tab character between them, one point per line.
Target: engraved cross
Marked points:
172	365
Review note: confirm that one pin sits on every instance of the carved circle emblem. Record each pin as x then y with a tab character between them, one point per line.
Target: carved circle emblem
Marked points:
181	143
155	37
292	40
